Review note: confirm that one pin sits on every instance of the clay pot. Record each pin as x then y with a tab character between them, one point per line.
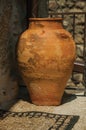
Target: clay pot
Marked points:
45	55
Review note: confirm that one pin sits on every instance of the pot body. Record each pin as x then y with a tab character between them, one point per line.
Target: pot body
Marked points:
45	55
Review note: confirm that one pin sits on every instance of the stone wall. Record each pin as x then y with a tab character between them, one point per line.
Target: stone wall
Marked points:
67	6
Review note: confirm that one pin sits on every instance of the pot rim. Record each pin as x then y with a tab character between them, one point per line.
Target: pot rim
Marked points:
45	19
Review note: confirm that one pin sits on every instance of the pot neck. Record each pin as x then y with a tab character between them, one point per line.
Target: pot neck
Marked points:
52	23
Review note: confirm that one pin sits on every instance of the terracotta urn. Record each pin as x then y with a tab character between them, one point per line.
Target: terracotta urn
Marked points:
45	56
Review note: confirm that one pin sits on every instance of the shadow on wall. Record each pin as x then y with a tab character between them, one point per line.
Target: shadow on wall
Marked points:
12	24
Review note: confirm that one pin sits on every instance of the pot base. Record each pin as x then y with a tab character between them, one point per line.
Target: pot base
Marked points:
45	92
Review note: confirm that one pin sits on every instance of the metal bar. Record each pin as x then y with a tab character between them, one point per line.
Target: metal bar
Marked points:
35	8
84	35
50	16
43	8
62	18
69	13
85	55
75	88
74	26
85	38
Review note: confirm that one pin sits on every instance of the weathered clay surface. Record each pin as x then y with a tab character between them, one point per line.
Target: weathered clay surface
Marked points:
45	54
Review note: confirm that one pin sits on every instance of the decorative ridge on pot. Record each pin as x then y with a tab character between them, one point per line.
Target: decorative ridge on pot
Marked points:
45	55
45	19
